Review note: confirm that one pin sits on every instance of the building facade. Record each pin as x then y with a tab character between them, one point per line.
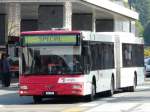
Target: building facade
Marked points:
91	15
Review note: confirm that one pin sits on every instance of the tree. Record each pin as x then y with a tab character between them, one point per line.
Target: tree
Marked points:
143	7
147	34
139	28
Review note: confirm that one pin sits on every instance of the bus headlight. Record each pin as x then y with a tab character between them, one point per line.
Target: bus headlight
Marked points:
24	87
70	80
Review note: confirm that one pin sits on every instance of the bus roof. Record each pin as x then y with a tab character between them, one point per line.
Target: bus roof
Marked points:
42	32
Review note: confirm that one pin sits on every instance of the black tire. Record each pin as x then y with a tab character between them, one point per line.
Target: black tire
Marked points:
91	97
112	86
132	88
37	99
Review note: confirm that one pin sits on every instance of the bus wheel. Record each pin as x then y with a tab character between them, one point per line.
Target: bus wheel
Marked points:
91	97
132	88
112	86
37	99
111	91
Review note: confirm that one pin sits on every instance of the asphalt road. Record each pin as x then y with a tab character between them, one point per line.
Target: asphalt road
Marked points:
138	101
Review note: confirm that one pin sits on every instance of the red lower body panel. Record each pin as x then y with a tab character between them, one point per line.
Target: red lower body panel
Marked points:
48	86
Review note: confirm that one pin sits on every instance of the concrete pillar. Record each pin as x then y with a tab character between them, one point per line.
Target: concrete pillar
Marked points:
14	18
118	27
68	15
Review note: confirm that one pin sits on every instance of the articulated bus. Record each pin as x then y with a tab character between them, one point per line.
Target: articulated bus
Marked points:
78	63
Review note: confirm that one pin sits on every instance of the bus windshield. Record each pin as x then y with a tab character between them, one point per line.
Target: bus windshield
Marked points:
34	61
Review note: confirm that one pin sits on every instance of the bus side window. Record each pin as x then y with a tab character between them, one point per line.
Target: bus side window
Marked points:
86	57
127	55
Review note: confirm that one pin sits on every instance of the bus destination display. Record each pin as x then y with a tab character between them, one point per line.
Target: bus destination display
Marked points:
50	40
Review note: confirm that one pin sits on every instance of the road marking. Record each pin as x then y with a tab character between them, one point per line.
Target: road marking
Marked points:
74	109
143	108
113	107
1	106
89	105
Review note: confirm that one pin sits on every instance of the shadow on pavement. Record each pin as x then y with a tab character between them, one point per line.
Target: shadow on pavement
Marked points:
10	96
13	99
68	100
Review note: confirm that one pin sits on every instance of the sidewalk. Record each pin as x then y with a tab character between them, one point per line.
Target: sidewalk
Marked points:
14	83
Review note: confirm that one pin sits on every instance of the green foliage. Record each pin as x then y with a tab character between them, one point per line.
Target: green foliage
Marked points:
147	52
139	28
147	34
143	7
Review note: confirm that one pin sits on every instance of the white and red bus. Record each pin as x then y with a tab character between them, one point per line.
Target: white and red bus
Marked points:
74	63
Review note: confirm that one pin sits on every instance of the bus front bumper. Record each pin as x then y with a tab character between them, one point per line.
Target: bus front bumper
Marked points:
58	90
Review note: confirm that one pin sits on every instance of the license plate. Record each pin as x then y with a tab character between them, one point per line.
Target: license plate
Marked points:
49	93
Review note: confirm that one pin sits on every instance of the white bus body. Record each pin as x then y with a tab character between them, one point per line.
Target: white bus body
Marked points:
123	76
